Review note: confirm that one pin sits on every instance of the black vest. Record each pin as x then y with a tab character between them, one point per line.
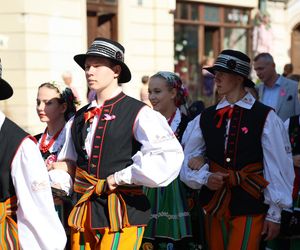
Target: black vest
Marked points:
243	148
181	127
294	134
113	147
11	137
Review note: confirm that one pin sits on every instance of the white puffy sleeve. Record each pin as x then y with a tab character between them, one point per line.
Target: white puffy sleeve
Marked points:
159	160
278	167
194	145
38	224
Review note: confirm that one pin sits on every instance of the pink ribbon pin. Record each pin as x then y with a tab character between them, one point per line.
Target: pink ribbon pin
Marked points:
108	117
282	92
245	130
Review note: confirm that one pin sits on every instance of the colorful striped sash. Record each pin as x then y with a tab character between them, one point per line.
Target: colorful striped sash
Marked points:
9	229
249	178
88	185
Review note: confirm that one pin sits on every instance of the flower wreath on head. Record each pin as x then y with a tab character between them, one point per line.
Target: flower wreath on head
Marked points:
65	92
68	97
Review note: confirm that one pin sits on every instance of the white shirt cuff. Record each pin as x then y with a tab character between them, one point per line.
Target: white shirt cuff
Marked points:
274	214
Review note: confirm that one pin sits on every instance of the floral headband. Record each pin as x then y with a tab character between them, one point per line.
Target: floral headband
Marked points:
174	81
66	95
65	92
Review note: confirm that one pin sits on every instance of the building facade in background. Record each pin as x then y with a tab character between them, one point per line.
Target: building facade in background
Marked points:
38	40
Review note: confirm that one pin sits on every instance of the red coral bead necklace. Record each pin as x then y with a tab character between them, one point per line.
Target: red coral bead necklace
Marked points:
45	147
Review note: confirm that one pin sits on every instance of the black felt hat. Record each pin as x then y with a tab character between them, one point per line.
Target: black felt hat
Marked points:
6	90
107	48
234	62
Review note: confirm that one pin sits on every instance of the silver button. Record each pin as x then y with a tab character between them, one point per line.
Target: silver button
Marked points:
228	159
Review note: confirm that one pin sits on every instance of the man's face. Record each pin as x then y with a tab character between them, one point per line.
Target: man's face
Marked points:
264	69
226	83
101	73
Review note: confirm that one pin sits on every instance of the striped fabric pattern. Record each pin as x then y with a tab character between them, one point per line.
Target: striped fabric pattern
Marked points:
249	178
8	227
241	66
87	185
128	238
231	233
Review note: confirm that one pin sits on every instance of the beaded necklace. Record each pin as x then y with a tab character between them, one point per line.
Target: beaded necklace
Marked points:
45	147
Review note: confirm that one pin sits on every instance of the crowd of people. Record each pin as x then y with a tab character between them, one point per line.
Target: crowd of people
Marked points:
155	174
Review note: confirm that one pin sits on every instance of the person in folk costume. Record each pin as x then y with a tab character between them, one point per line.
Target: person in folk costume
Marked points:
119	144
55	105
28	218
292	126
248	178
170	223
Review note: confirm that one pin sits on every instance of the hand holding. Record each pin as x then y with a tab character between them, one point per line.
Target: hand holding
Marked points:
270	230
296	160
111	182
216	180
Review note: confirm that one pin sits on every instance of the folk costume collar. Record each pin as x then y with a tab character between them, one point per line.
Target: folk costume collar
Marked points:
176	120
246	102
96	110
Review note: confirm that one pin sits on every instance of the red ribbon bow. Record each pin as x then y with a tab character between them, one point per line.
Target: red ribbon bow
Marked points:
221	112
91	113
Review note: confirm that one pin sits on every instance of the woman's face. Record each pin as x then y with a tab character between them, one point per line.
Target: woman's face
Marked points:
161	96
47	106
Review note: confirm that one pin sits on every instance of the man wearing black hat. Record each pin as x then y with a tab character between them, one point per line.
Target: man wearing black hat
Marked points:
248	178
28	218
119	144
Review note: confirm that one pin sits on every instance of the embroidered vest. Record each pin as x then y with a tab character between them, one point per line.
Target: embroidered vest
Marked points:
11	137
243	148
113	147
294	134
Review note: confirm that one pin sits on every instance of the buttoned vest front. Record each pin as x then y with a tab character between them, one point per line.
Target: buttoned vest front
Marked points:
113	147
243	148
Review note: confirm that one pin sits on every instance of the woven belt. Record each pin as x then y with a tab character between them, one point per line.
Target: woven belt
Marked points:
9	236
248	178
88	185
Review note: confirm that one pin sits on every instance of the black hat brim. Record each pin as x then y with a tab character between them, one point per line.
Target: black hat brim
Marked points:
6	90
247	81
125	75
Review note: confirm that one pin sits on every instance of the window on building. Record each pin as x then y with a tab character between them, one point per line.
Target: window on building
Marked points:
201	32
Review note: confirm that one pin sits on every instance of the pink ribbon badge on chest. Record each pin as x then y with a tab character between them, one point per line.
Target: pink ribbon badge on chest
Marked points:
282	92
245	130
108	117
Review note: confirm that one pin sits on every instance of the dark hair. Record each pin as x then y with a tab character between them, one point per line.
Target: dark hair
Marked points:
65	96
145	79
